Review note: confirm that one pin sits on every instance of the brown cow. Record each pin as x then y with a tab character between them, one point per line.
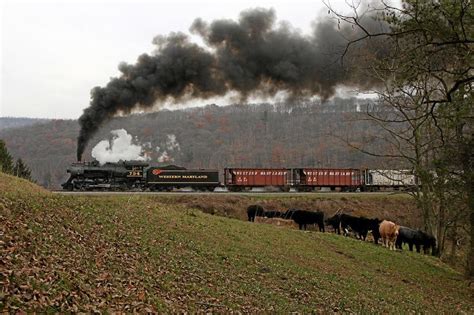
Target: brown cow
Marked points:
389	232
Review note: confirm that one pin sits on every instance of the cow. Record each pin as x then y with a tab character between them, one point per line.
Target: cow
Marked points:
428	241
254	211
335	222
418	238
360	225
303	218
407	236
349	221
371	225
389	232
376	230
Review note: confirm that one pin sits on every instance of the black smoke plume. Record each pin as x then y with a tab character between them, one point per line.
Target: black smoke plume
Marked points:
251	56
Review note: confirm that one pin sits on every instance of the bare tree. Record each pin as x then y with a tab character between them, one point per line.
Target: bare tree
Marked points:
426	87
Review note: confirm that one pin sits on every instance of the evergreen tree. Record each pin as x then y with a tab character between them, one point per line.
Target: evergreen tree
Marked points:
21	170
6	161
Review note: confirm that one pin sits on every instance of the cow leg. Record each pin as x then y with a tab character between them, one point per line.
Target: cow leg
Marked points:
376	240
410	246
417	248
321	227
301	226
346	231
392	245
398	244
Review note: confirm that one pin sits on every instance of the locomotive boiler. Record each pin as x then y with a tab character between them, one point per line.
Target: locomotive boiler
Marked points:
124	175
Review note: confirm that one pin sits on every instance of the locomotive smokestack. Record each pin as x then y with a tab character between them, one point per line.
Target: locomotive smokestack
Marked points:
251	56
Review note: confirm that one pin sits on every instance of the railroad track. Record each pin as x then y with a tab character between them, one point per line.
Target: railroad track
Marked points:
220	193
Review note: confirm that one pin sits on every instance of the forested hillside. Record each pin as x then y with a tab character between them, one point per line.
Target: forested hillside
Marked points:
14	122
258	135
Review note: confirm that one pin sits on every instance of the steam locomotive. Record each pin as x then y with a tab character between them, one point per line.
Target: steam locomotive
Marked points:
140	176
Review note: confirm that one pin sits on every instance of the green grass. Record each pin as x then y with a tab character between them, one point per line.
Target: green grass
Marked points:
69	253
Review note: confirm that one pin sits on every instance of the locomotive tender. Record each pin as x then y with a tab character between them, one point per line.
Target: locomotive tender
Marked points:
138	175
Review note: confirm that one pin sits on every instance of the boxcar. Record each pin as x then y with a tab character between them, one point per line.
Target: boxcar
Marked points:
159	179
308	179
238	179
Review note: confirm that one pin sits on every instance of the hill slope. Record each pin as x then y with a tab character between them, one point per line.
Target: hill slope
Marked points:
134	253
258	135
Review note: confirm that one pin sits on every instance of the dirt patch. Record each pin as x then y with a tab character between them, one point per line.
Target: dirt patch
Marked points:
277	222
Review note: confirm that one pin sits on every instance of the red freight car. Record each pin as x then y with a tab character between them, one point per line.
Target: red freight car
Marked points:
237	179
307	179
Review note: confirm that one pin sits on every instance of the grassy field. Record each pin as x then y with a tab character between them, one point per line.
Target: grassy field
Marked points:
140	253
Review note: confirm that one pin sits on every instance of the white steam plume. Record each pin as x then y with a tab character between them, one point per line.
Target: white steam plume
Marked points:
171	145
119	148
165	158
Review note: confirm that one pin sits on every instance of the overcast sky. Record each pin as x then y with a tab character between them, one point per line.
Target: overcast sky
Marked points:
54	52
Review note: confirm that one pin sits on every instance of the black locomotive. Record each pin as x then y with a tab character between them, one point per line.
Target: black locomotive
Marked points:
138	176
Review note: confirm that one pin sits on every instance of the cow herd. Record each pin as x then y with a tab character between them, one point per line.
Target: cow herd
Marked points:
393	236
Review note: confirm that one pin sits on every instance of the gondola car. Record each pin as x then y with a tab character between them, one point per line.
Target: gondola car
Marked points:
240	179
341	179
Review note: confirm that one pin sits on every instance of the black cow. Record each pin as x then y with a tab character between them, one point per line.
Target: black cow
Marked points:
428	241
335	222
254	211
407	236
375	224
418	238
361	226
355	224
303	218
